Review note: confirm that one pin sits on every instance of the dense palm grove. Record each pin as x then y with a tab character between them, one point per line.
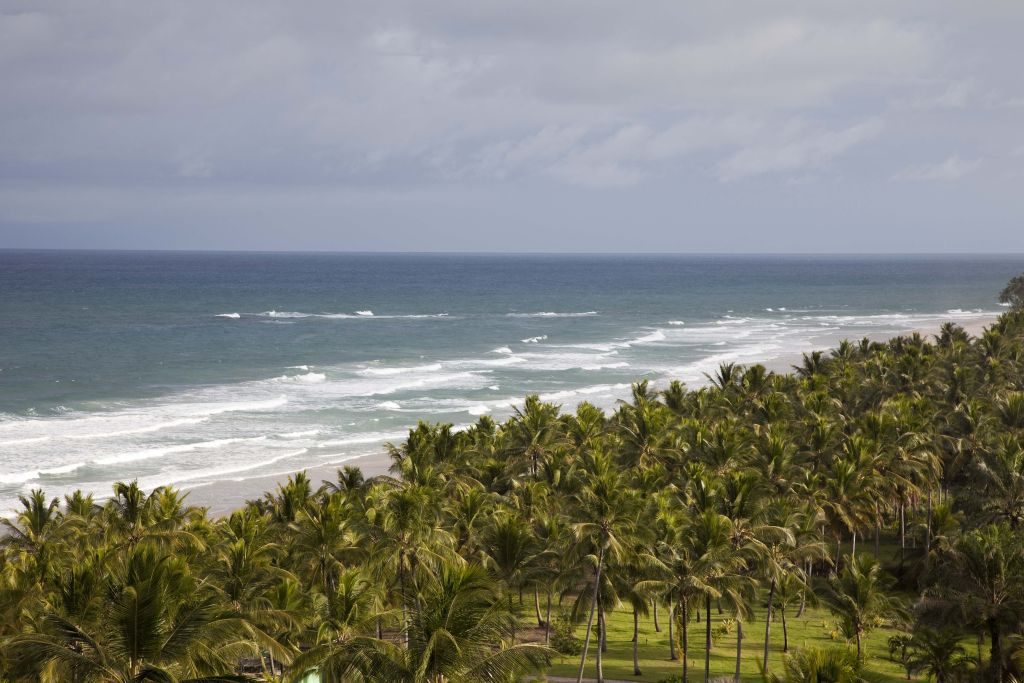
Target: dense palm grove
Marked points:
882	480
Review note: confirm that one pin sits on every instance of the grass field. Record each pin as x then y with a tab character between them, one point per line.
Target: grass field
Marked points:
816	628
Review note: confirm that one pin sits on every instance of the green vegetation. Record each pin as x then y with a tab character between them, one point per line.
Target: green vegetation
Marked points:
860	519
1013	293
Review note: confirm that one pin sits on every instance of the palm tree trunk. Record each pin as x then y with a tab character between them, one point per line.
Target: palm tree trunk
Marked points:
903	534
768	623
536	607
785	631
590	619
928	532
995	652
671	635
853	549
654	606
547	620
636	642
401	592
739	648
707	639
602	629
860	654
512	620
684	643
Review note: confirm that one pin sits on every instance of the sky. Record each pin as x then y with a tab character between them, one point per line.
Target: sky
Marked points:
535	125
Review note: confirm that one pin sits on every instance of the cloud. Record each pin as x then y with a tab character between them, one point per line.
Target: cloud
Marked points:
952	168
482	99
796	149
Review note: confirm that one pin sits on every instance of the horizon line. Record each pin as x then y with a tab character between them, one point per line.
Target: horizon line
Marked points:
138	250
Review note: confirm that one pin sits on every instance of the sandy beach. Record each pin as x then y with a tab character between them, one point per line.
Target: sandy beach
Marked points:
224	496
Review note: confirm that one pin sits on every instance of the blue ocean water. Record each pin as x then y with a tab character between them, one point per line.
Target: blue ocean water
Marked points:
193	368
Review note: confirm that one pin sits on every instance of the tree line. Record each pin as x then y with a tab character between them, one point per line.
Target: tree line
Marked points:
884	480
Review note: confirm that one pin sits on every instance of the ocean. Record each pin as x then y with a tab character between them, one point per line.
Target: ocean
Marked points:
194	369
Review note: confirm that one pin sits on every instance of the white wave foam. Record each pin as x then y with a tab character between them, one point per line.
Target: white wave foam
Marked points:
31	475
388	372
140	430
304	368
151	453
534	340
357	315
177	477
502	349
478	410
307	378
584	391
389	405
300	434
676	322
605	366
656	336
239	407
22	442
284	314
375	437
494	387
551	314
233	316
489	362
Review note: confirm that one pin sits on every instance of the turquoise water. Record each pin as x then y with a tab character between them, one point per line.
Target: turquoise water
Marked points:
192	368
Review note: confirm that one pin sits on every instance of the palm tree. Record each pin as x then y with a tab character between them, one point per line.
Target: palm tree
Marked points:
452	633
34	533
603	510
859	598
533	432
982	583
511	551
939	654
813	665
344	621
321	538
157	624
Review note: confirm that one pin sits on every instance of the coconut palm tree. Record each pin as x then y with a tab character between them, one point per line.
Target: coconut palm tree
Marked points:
454	634
859	598
982	584
158	623
603	513
343	642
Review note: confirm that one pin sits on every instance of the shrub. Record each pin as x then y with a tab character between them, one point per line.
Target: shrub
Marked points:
563	636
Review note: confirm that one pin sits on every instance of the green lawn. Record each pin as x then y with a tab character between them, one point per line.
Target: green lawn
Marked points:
815	628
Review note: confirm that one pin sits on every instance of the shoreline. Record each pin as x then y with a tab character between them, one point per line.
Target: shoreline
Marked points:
222	497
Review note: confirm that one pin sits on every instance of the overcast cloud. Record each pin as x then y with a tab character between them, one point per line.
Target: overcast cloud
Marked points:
527	126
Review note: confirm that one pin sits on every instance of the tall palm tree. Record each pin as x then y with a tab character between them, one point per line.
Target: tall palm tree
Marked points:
603	513
511	553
